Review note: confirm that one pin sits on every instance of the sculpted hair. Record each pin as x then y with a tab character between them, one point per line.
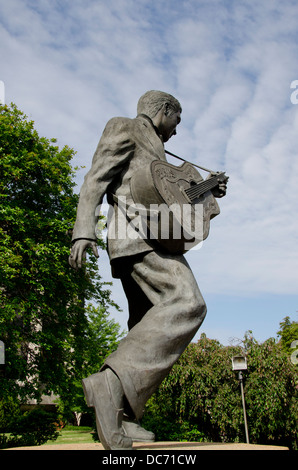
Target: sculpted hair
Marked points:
152	101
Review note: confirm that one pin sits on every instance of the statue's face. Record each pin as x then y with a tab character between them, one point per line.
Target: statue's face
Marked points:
168	125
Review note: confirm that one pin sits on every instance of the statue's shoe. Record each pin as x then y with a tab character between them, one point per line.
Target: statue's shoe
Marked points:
136	432
109	417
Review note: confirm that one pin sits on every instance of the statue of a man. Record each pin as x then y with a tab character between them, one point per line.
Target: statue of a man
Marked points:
166	307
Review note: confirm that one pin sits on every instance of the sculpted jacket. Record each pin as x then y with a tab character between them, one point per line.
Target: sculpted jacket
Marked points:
165	304
126	145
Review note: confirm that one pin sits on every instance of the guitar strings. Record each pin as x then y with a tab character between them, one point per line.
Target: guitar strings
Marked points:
195	191
193	194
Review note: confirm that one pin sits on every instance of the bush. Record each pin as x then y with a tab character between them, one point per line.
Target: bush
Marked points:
32	428
200	399
168	427
9	413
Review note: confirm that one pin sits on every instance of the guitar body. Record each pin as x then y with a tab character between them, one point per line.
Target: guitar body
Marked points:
184	218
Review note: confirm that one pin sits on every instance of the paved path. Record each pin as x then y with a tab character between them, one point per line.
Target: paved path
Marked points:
157	446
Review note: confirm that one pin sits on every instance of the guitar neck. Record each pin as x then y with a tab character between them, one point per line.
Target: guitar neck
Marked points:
198	189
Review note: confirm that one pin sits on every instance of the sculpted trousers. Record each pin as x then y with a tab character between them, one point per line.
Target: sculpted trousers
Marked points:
166	309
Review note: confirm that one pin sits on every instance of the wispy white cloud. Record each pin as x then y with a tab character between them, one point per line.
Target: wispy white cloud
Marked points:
248	126
72	65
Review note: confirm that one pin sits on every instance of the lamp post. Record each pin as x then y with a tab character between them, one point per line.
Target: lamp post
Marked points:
2	353
239	363
2	358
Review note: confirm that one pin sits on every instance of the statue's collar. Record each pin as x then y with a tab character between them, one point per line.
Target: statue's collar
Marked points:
150	121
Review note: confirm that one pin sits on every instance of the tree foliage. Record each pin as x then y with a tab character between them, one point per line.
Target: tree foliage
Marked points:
31	428
202	394
47	322
288	334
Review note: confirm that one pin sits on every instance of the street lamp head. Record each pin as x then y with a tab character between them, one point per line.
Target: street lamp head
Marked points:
239	363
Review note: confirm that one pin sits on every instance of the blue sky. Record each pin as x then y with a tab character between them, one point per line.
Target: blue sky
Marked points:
72	65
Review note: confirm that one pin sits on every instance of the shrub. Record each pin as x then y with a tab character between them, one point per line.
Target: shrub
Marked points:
32	428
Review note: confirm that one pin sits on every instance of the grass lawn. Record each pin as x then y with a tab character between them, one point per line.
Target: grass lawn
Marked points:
74	435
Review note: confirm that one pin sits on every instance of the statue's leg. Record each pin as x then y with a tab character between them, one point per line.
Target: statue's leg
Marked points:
146	355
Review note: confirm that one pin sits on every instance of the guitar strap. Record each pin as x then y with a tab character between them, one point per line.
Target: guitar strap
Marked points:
193	164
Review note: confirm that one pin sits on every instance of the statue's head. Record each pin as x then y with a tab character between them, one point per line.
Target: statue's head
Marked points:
152	101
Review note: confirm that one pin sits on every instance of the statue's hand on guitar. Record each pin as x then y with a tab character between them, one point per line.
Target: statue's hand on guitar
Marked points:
221	189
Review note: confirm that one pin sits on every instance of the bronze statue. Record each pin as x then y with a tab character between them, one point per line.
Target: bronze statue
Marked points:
166	307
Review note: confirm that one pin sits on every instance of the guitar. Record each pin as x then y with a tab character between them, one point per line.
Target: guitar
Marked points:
182	199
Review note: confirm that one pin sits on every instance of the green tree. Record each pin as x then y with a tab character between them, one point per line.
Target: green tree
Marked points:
202	394
271	393
201	390
45	318
90	349
288	334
